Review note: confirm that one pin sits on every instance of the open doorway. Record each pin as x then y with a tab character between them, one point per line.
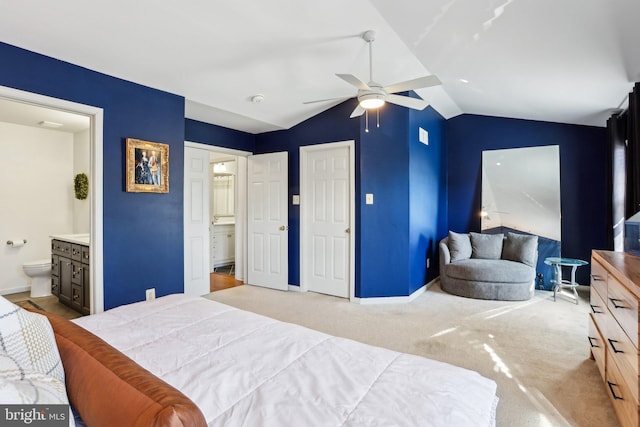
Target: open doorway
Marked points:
215	218
222	213
87	144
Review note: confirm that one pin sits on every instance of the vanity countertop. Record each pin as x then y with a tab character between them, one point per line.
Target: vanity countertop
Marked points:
80	239
224	222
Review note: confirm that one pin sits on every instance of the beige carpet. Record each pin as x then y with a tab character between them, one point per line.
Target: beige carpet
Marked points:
536	350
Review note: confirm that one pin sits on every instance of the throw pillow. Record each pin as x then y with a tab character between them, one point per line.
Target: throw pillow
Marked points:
24	387
521	248
486	246
459	246
20	386
29	340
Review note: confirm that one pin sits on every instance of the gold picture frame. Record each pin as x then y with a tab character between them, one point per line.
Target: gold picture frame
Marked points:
147	166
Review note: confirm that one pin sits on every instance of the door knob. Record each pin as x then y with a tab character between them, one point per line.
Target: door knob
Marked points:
282	228
348	230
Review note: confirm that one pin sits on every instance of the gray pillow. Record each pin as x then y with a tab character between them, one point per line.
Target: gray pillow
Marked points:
486	246
459	246
521	248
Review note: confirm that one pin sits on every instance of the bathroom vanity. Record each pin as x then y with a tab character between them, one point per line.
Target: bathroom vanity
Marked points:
70	278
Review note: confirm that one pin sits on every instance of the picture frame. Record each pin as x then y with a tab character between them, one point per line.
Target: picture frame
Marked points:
147	166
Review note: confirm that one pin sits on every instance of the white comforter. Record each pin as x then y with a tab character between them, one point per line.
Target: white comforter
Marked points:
243	369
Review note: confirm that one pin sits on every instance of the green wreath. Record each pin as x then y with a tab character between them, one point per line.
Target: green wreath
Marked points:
81	186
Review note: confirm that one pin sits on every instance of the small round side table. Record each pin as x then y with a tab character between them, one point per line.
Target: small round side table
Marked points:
557	263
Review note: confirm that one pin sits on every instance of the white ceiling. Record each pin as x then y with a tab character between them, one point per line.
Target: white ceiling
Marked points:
569	61
31	115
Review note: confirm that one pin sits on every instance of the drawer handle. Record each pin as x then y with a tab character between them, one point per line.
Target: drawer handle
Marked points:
76	296
591	339
68	263
613	301
613	393
597	278
613	346
593	308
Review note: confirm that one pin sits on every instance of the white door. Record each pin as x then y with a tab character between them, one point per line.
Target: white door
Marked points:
325	222
196	221
267	220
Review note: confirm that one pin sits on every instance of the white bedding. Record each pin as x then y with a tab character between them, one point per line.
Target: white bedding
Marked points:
243	369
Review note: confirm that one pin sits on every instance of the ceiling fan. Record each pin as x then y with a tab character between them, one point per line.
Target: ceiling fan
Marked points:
373	95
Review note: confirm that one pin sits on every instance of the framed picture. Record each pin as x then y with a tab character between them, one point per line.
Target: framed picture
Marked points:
147	166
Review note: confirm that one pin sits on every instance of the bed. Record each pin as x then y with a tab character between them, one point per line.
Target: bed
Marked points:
243	369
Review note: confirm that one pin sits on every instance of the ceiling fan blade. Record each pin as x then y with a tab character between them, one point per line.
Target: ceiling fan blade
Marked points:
358	111
406	101
326	100
418	83
354	81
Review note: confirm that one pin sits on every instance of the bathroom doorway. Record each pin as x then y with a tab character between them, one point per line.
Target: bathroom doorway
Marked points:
215	248
76	131
222	212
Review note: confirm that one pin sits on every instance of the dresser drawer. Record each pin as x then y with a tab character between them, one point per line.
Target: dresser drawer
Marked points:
598	347
624	404
599	310
624	307
622	351
599	278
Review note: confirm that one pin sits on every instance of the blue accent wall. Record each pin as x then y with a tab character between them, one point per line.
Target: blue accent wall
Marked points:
427	195
143	233
219	136
582	175
384	226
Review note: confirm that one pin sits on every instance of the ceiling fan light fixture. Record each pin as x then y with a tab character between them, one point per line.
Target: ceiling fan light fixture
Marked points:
371	101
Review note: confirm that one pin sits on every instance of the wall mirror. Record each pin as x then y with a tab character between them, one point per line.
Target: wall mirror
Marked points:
223	189
521	193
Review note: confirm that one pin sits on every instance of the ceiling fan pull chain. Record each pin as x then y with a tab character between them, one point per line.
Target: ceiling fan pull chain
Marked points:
378	116
366	121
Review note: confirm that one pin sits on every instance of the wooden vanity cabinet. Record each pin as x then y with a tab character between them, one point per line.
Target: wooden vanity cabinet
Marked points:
70	278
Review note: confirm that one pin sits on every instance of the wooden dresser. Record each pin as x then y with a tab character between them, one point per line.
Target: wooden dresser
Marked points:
613	328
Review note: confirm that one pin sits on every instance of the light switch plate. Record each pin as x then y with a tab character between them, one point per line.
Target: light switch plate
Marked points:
369	199
296	199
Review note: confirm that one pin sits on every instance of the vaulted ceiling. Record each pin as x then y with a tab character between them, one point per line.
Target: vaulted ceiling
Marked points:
570	61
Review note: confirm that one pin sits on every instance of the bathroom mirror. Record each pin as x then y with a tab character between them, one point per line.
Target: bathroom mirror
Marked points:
521	193
223	189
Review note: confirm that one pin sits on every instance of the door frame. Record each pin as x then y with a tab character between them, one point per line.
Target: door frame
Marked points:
305	239
241	203
96	117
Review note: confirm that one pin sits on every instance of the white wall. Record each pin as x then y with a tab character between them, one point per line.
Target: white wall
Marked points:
36	196
81	157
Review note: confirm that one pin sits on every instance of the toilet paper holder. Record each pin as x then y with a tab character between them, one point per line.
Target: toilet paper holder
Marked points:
19	242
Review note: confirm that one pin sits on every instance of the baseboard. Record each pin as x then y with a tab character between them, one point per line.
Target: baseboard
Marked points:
294	288
15	290
395	300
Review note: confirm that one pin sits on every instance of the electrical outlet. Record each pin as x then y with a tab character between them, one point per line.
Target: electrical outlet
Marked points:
151	294
369	198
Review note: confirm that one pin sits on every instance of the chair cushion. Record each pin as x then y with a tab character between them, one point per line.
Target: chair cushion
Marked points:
486	246
459	246
520	248
488	270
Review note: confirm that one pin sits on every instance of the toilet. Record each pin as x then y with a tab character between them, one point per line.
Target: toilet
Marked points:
40	274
